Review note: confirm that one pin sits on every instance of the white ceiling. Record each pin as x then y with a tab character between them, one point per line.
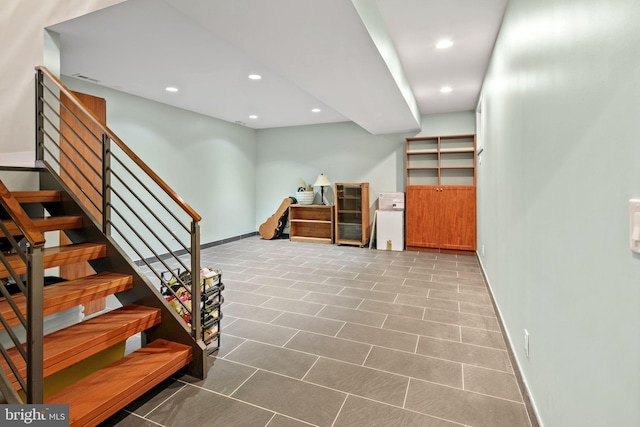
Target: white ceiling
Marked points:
373	62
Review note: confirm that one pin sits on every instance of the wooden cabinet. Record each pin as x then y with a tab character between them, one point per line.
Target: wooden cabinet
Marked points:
441	217
352	214
441	193
311	223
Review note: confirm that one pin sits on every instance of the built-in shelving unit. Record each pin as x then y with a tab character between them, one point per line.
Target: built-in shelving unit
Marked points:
441	193
441	160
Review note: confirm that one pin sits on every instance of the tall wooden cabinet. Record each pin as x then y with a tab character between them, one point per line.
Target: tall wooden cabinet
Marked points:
352	214
441	192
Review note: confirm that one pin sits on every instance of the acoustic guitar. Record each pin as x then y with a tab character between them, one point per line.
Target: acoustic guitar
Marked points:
274	225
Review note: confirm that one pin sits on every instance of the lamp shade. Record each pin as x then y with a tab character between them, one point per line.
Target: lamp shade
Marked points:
322	181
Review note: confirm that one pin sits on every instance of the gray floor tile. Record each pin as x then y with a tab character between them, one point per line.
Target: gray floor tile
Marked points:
391	308
416	366
401	290
483	338
243	298
462	319
380	279
264	270
223	376
227	342
349	283
323	288
423	301
294	306
482	310
282	421
337	300
311	277
423	327
335	273
275	291
380	337
251	312
280	282
236	276
311	403
465	353
256	331
462	297
145	404
353	316
309	323
335	348
359	412
186	408
288	268
492	383
434	285
126	419
235	285
358	380
275	359
464	407
371	295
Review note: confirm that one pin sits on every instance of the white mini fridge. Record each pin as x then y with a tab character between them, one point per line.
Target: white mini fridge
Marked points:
390	222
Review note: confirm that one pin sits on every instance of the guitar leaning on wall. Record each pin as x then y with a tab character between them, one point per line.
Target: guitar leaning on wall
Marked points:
274	225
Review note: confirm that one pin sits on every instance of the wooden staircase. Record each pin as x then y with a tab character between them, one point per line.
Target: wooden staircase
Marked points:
99	394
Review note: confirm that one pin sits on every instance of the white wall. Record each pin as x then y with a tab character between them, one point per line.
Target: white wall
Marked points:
210	163
561	139
22	40
344	152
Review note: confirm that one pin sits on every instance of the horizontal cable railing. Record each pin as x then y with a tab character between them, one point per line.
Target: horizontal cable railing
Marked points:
123	195
32	259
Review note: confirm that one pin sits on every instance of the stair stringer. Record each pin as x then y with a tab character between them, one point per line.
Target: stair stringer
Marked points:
143	292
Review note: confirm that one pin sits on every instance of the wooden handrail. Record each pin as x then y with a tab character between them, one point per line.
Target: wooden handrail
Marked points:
22	221
163	185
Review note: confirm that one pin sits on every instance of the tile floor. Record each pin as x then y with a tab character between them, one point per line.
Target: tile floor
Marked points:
330	335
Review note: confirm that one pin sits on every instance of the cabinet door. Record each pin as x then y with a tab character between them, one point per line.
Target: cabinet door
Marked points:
458	218
423	216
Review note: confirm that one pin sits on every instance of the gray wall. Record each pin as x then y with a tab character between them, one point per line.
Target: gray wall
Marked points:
210	163
560	126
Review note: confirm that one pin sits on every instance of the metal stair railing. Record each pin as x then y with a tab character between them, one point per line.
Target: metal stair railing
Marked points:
32	323
124	197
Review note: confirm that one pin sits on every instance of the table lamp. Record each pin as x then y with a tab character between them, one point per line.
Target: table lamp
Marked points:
322	182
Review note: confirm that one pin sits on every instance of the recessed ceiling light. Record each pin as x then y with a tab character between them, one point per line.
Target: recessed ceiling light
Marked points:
446	89
255	76
444	44
171	89
253	116
316	110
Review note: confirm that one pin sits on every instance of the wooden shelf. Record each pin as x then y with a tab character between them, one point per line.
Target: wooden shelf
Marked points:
311	223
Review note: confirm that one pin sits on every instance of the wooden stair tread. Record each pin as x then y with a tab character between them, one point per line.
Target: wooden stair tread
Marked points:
64	295
68	346
103	393
36	196
59	255
47	224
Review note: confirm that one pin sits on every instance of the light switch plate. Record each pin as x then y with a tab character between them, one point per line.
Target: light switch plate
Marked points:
634	225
